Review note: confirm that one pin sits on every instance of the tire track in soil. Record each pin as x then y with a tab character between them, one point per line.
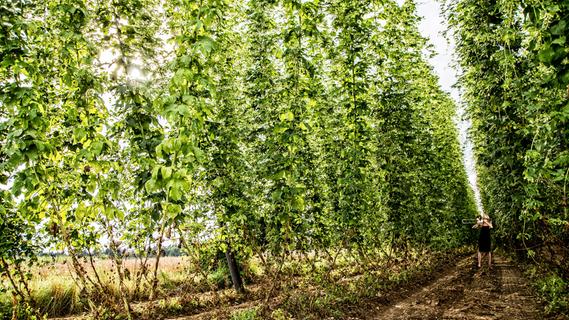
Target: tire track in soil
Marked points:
464	292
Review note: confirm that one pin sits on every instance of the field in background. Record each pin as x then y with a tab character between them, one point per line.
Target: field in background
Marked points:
48	266
53	286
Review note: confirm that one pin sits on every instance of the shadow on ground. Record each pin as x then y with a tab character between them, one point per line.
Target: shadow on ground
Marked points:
465	292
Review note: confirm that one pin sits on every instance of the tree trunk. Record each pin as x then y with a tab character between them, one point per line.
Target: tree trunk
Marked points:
154	284
234	270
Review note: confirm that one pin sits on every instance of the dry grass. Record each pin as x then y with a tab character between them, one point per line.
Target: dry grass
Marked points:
48	267
54	289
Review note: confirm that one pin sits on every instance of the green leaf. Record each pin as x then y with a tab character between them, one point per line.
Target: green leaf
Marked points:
92	186
166	172
206	44
150	185
172	210
280	175
199	154
155	171
560	41
298	203
276	195
97	147
565	77
546	55
287	116
560	28
175	193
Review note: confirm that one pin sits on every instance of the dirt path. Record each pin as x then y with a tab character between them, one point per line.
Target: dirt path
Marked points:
464	292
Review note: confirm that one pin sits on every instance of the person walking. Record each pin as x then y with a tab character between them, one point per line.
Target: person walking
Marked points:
484	241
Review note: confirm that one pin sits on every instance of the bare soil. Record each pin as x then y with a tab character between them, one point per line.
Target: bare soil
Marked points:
462	291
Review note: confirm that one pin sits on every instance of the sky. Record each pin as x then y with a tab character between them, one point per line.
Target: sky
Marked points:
432	27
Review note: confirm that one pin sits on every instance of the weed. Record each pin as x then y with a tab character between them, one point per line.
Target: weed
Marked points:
280	314
22	312
171	305
220	277
58	299
554	290
247	314
251	270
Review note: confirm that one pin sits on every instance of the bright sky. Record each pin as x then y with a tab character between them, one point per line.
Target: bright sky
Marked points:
432	27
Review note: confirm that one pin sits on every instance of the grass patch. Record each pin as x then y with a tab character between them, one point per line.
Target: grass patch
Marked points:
58	298
552	289
247	314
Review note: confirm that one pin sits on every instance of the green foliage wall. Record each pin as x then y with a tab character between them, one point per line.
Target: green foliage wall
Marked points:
515	60
270	126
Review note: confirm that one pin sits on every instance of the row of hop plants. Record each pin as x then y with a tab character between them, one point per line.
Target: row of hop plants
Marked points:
271	129
516	87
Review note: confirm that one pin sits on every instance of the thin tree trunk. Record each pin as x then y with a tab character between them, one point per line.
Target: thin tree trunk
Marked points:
157	262
234	270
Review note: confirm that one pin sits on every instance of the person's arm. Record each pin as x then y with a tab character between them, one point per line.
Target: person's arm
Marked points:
477	224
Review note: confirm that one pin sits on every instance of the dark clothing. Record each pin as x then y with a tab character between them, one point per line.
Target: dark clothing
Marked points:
484	243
